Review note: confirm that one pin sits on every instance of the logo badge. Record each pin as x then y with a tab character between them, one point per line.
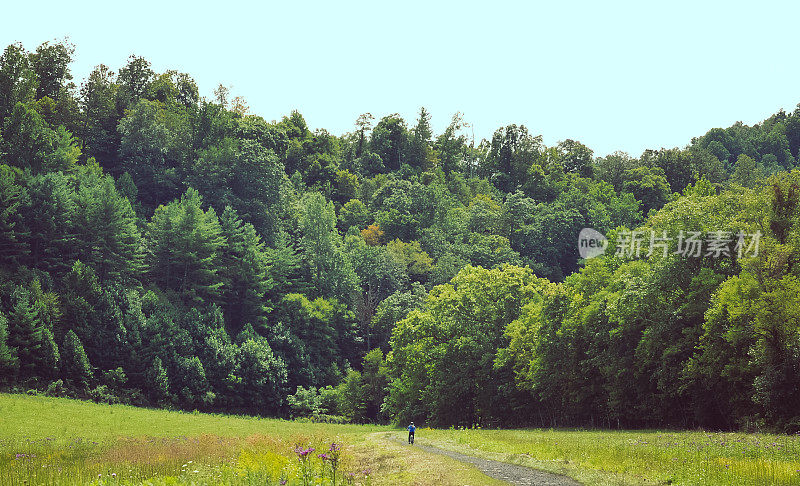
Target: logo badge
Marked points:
591	243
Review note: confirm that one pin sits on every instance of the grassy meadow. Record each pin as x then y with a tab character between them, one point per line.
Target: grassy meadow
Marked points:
62	441
636	457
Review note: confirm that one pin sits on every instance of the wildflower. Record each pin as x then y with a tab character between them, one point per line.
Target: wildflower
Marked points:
305	464
113	475
334	452
303	453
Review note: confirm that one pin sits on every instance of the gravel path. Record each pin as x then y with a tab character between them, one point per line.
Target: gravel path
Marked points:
512	473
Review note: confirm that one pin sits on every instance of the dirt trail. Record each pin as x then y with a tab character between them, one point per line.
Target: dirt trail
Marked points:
511	473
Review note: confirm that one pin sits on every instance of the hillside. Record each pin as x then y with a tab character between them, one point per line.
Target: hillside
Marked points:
160	249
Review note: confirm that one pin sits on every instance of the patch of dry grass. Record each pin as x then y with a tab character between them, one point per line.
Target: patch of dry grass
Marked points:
398	463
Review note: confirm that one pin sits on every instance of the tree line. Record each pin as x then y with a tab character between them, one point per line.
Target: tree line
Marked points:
159	248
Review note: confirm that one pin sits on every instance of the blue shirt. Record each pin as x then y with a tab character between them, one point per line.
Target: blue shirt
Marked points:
411	428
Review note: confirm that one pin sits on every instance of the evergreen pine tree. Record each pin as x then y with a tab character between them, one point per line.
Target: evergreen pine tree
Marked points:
66	152
25	333
243	271
105	227
48	222
8	358
76	364
185	242
420	140
12	196
158	381
50	355
93	313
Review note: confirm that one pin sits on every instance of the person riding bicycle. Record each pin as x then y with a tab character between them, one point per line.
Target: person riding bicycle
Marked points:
411	430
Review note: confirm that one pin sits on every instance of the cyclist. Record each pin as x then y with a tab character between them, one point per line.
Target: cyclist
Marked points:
411	430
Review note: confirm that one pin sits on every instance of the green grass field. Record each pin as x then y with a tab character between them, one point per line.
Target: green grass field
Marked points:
637	457
61	441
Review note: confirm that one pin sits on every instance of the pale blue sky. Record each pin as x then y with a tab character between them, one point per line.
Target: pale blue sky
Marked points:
614	75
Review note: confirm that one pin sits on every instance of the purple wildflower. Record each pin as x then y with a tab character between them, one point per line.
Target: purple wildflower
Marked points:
301	452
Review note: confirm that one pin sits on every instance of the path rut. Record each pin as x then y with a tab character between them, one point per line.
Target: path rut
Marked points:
511	473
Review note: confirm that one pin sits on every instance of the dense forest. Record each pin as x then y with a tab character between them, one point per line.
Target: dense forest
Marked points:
161	249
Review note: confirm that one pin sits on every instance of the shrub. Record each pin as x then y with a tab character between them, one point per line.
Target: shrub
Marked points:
102	394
